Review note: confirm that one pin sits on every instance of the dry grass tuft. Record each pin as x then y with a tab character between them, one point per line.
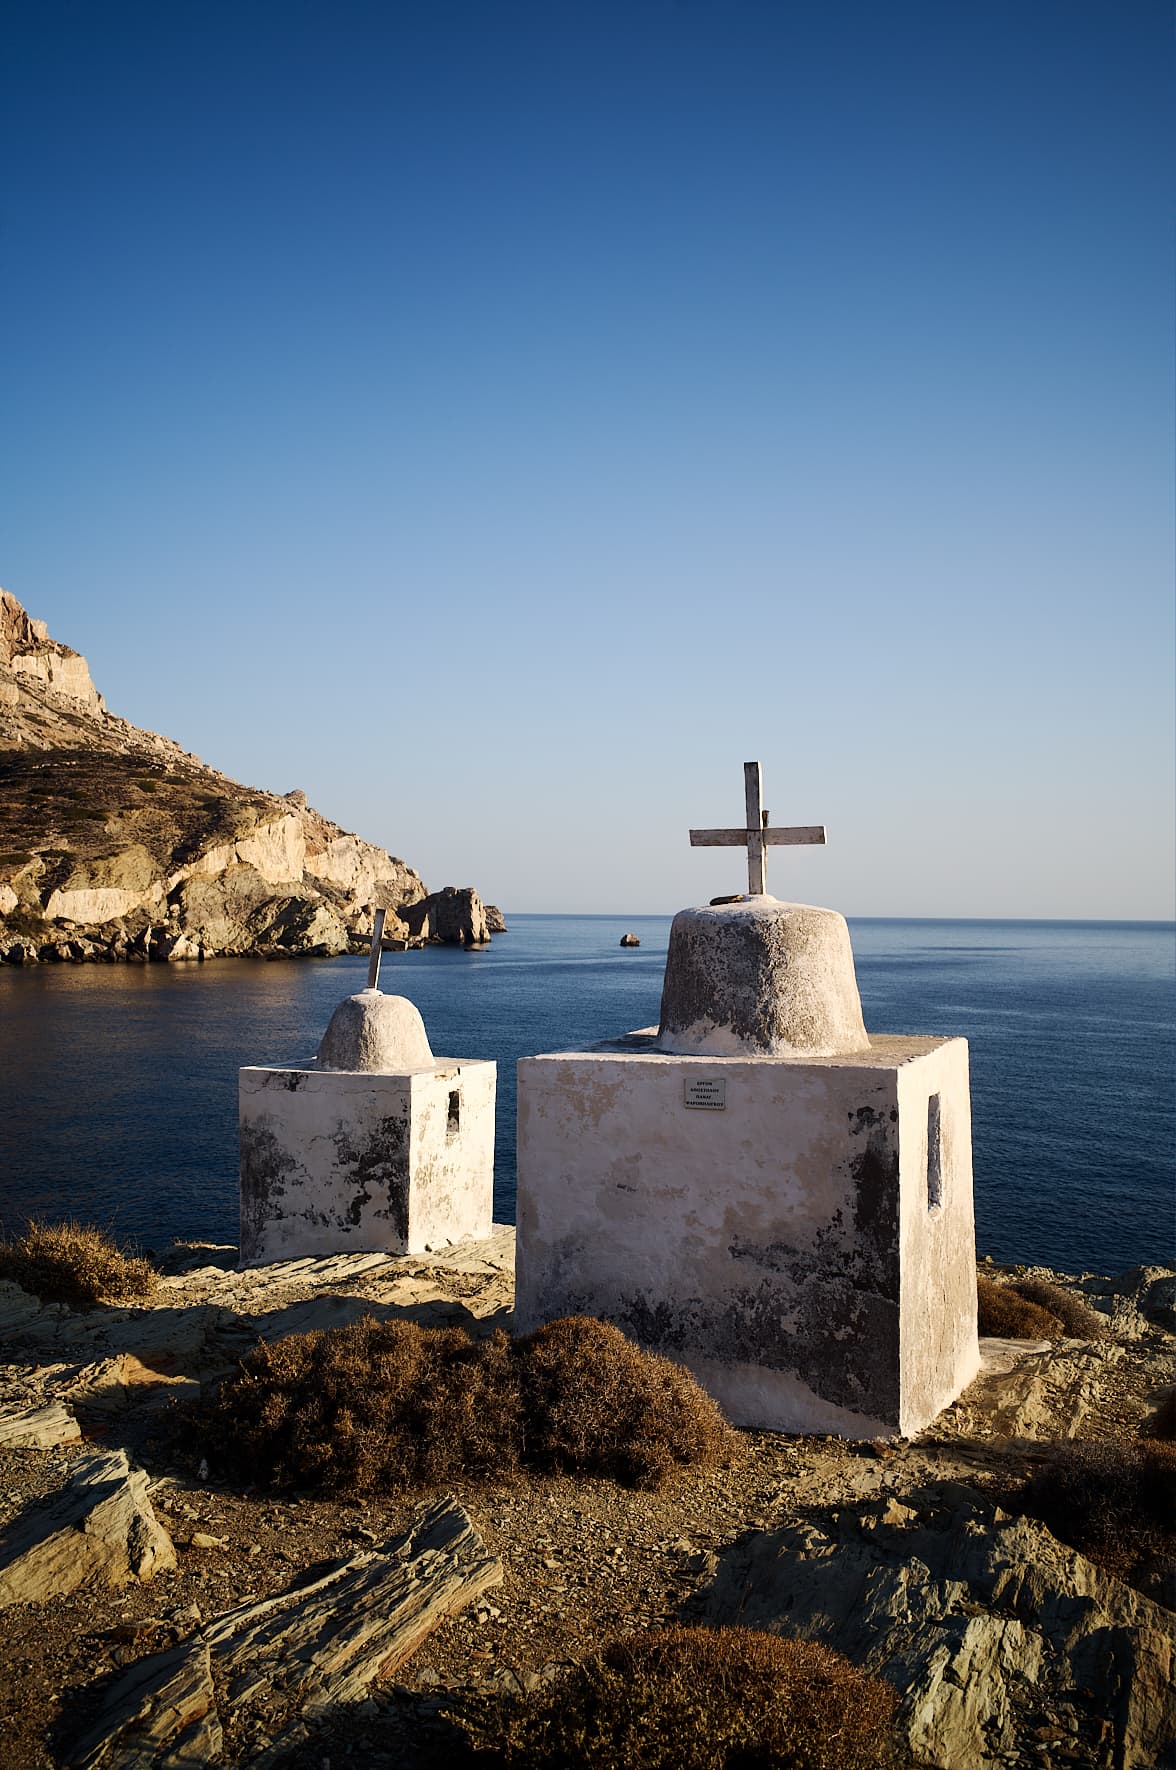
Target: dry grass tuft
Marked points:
376	1405
698	1699
596	1404
1116	1504
77	1264
390	1405
1006	1315
1079	1320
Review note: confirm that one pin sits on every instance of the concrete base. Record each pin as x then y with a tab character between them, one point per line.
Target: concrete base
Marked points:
799	1232
344	1161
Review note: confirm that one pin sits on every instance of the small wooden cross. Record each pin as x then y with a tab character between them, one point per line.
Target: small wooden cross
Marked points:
377	948
757	836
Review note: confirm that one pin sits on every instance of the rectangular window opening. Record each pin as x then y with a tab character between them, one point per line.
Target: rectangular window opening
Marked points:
453	1122
934	1154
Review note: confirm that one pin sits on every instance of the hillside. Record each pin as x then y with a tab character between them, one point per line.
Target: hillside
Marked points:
116	843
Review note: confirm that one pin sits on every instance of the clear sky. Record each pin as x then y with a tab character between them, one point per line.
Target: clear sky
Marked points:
502	420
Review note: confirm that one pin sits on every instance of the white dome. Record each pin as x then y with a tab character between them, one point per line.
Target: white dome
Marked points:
373	1031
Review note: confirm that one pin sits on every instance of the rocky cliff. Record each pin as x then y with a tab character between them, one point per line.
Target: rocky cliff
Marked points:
116	843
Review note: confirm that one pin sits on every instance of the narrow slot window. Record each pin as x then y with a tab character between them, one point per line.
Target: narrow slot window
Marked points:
934	1154
453	1122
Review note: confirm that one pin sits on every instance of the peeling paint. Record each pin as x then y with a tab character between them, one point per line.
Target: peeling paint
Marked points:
772	1245
336	1160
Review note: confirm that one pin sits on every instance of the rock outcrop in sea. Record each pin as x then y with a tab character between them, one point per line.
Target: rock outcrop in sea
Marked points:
117	843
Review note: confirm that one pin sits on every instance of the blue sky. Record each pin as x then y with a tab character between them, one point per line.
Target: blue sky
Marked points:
504	420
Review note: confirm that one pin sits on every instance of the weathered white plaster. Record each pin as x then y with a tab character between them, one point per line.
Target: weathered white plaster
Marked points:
782	1246
760	977
751	1395
334	1161
371	1031
938	1238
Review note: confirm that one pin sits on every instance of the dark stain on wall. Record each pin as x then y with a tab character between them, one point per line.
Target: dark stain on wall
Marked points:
873	1167
839	1339
825	1309
266	1166
379	1170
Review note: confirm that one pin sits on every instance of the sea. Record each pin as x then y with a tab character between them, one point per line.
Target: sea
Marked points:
118	1083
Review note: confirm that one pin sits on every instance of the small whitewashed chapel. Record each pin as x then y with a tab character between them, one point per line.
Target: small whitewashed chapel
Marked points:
757	1187
372	1145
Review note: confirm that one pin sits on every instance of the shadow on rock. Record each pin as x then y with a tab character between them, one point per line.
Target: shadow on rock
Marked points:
1001	1639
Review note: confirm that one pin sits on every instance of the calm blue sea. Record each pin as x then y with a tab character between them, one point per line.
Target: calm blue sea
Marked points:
119	1083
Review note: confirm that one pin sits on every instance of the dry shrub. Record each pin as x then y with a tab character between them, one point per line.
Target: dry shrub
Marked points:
1162	1422
1079	1320
77	1264
1115	1503
596	1404
389	1405
699	1699
1006	1315
375	1405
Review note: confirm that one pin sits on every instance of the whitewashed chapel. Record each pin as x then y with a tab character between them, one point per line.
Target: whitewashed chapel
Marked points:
757	1187
373	1145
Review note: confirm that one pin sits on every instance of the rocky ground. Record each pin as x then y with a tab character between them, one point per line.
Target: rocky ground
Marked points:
1010	1648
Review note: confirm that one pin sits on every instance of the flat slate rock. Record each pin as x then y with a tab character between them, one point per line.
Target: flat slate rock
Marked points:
322	1643
101	1525
162	1713
39	1428
981	1619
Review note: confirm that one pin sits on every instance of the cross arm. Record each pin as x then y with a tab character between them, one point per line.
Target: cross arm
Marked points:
807	834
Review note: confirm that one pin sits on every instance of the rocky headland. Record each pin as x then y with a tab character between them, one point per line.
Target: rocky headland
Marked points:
155	1615
118	844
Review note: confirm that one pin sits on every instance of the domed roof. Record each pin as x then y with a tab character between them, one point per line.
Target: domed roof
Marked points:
372	1031
759	978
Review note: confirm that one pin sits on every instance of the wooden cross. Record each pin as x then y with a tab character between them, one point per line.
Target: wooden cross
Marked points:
757	835
377	948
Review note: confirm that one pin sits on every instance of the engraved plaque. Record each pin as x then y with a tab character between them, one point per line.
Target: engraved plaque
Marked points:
710	1094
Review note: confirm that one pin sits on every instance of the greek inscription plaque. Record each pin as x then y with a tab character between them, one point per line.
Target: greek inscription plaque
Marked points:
709	1094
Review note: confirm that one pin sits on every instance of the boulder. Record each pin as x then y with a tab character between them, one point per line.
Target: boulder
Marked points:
166	1703
360	922
454	917
302	925
982	1620
175	945
101	1525
629	940
39	1428
495	922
